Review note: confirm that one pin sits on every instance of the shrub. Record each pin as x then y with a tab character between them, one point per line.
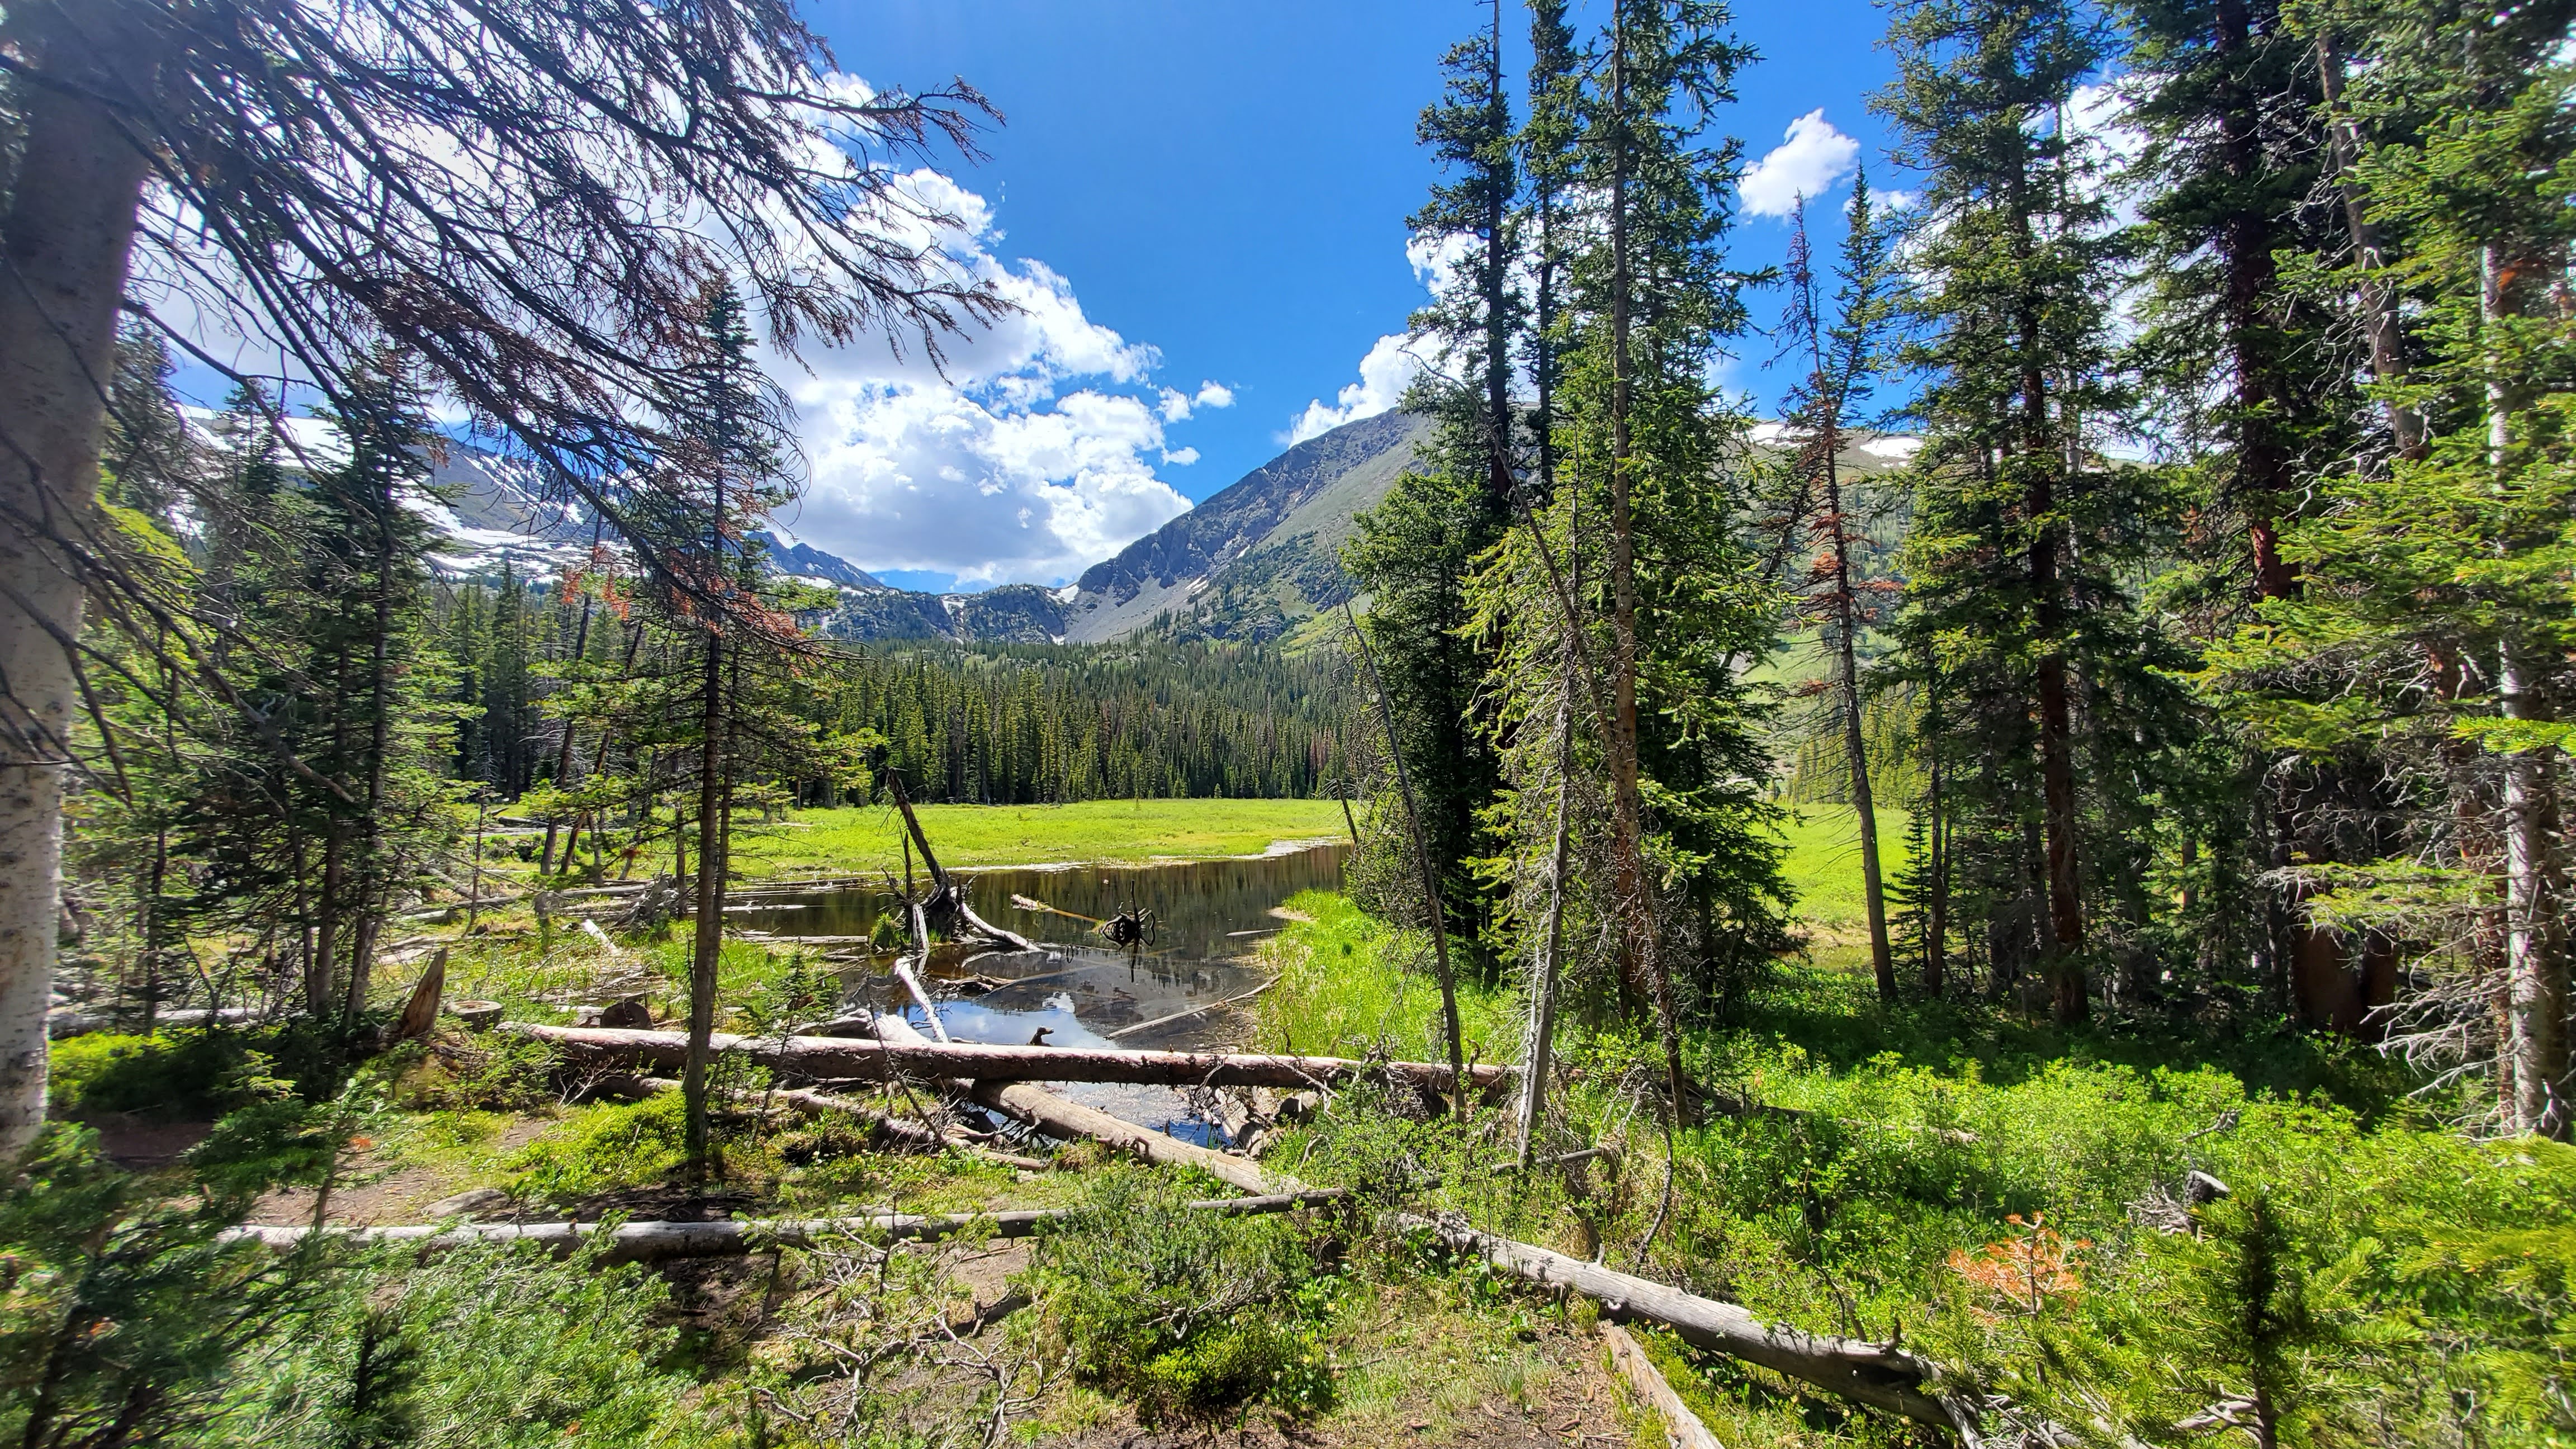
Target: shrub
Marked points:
603	1148
1186	1312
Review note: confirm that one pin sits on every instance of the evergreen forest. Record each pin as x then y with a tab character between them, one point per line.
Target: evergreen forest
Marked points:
2019	892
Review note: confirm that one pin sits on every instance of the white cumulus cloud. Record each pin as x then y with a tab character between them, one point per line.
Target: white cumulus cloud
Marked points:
1810	162
1025	454
1388	369
1394	360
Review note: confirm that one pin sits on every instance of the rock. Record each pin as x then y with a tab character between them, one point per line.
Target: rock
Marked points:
475	1202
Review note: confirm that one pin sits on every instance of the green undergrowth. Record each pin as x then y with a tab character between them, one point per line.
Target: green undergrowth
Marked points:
1351	985
2018	1204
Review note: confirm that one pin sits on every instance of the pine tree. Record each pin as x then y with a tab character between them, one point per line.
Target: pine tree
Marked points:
1413	552
2013	596
2435	625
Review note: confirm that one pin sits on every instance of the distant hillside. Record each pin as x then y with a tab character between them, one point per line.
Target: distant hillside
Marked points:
1262	554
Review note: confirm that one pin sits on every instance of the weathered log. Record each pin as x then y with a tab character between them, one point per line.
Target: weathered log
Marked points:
1876	1374
657	1242
1200	1009
903	973
917	1133
988	930
1682	1428
847	1059
910	1131
1045	1110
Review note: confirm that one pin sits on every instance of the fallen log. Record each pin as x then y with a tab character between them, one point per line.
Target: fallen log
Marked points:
1682	1428
909	1131
656	1241
921	1134
849	1059
990	931
659	1242
1050	1113
1879	1375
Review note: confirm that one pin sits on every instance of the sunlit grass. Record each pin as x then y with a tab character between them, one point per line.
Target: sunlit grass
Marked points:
869	839
1350	984
1823	864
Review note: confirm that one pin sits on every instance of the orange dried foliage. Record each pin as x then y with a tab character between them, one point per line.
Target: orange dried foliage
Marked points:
2024	1274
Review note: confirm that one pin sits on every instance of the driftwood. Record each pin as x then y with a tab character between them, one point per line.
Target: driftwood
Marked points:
912	983
1682	1428
1045	1110
1879	1375
845	1059
1199	1010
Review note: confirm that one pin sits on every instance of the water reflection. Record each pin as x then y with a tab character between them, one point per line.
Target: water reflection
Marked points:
1203	909
1209	916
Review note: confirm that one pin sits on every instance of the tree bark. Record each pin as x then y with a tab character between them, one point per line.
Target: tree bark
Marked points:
848	1059
708	946
659	1242
1682	1428
2535	1064
2378	308
1537	1063
1882	957
65	238
2068	993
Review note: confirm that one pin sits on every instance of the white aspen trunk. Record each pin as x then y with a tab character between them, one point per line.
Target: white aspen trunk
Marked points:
66	236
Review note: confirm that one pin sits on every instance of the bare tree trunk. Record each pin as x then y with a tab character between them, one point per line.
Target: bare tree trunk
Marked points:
1422	854
64	239
563	748
2068	993
709	944
1855	748
1536	1063
2378	309
2535	1059
372	876
323	966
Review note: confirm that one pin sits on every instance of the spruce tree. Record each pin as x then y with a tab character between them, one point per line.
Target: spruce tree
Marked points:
2011	587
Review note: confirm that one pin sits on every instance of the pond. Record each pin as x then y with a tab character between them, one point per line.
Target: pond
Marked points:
1209	917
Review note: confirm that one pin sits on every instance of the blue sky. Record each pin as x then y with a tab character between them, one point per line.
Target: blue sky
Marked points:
1218	189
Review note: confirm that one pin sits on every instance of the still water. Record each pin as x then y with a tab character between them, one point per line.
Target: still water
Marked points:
1209	918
